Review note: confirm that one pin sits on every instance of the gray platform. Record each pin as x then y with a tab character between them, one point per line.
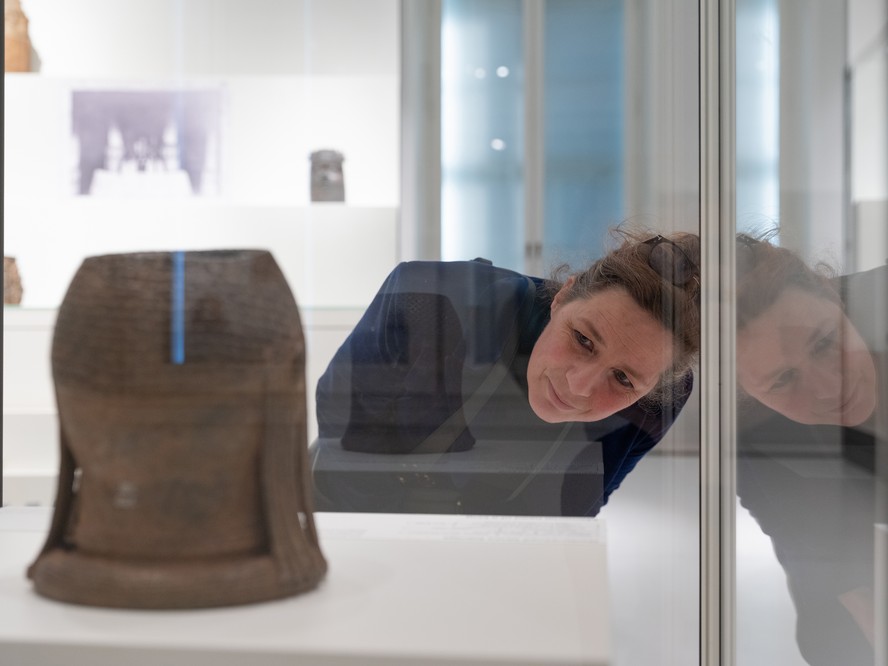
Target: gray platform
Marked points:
495	477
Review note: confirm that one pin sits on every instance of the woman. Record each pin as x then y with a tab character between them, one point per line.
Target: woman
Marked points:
810	359
453	352
798	352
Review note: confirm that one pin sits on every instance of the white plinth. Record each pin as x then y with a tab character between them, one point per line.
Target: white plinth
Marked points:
402	589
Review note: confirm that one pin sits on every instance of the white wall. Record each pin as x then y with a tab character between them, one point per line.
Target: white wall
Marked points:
269	126
187	38
867	60
834	134
295	76
868	79
662	160
299	75
812	123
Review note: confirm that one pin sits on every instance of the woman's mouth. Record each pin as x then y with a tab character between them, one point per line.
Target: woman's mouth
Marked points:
557	401
848	400
852	397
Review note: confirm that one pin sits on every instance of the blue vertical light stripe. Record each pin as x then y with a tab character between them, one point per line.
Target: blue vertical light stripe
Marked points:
177	302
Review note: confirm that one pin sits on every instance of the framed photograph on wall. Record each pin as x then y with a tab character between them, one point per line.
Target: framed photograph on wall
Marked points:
146	143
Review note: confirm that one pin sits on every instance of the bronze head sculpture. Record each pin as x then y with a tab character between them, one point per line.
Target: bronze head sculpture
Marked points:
183	480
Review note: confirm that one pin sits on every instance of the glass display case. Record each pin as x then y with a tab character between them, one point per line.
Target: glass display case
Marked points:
487	149
213	110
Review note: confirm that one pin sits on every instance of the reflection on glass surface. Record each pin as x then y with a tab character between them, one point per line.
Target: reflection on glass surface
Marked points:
618	132
798	353
490	191
810	364
812	327
145	143
586	119
482	130
598	122
758	99
469	371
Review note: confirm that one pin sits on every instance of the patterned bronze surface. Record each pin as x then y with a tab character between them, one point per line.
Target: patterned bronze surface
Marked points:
181	395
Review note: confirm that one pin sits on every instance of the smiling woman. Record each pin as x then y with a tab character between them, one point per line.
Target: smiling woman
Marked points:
450	354
798	353
597	355
803	358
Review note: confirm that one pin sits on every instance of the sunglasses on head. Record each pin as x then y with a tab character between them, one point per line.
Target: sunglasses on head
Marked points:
670	261
746	254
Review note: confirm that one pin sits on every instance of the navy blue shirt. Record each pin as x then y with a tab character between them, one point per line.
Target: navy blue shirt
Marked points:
439	360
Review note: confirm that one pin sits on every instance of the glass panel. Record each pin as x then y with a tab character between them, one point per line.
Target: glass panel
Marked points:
189	125
812	290
620	142
452	386
485	168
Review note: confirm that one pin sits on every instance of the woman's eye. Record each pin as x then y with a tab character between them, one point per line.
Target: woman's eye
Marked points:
583	341
783	380
623	378
825	343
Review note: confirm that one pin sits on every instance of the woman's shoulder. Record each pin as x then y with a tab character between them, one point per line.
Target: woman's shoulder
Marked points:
472	283
865	296
428	272
868	281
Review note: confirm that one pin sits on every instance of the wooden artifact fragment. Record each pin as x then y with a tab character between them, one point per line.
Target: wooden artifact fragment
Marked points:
17	43
180	383
12	282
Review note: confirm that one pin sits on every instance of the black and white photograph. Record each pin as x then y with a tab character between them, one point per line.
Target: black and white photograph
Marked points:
146	143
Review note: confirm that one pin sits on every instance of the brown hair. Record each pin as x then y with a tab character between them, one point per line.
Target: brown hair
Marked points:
676	307
764	270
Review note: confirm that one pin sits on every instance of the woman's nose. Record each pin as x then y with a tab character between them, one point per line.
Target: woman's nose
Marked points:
825	380
583	379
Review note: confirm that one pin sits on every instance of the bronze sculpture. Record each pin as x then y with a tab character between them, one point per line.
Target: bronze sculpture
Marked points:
180	382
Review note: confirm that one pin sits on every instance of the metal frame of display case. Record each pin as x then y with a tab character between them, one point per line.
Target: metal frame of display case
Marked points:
717	362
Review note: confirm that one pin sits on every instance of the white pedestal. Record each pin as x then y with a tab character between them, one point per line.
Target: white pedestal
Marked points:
402	589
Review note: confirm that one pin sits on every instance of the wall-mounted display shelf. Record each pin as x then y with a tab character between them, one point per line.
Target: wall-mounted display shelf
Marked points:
247	138
332	255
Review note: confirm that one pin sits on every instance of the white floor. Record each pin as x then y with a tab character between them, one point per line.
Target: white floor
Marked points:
653	559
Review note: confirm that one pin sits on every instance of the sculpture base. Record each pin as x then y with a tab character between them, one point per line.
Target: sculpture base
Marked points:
76	578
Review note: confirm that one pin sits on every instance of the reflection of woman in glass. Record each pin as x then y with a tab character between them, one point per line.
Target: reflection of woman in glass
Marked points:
810	352
797	351
453	352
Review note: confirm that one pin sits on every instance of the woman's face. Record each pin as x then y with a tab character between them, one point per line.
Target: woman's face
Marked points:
803	358
596	356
